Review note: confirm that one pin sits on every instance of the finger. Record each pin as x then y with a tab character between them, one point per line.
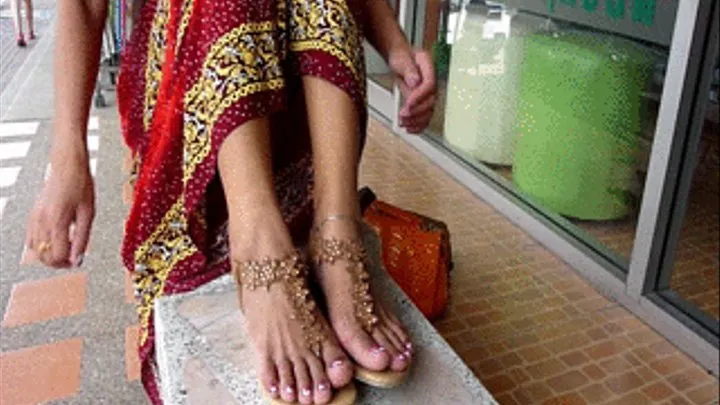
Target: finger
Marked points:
425	106
60	244
427	85
81	235
421	122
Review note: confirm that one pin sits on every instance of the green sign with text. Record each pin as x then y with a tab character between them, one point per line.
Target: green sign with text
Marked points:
642	11
649	20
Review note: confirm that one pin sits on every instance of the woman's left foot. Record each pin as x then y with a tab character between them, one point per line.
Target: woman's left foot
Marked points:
373	337
32	36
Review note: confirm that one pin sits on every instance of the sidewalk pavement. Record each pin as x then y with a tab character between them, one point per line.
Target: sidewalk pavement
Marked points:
66	337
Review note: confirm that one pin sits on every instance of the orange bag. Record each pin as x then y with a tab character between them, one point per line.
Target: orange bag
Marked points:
416	252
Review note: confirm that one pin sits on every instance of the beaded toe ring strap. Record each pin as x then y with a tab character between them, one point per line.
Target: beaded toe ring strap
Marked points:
352	251
291	272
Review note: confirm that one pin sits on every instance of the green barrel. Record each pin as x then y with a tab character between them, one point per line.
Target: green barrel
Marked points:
579	120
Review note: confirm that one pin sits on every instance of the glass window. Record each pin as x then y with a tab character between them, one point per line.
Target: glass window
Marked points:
694	276
557	100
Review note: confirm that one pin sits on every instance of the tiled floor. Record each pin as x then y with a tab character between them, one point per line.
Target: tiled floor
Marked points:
531	329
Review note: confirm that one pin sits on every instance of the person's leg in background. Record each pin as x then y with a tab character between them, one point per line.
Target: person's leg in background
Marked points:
17	22
30	19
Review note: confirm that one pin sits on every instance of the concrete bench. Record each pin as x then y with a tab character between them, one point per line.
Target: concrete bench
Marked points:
205	357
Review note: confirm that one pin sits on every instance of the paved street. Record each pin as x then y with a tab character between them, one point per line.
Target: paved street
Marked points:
72	330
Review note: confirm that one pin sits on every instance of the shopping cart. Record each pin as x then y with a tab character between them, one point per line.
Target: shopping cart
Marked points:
113	41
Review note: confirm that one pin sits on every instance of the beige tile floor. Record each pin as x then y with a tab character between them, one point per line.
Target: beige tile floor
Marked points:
531	329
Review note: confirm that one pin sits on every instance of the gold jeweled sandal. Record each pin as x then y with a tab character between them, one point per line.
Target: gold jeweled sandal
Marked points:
291	271
352	251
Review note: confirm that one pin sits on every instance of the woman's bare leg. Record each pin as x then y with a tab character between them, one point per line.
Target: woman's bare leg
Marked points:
17	17
333	123
257	230
30	19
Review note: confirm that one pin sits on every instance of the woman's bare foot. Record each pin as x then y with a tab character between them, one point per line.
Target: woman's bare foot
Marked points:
298	357
377	342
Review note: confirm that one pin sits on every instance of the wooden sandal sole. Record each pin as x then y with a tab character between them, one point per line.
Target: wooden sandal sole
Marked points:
381	379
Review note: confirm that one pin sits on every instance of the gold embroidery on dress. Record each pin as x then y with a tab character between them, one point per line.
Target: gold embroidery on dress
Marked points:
227	75
245	61
291	272
155	58
164	249
187	9
329	26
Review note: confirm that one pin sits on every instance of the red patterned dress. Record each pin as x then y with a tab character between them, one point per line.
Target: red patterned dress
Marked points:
193	71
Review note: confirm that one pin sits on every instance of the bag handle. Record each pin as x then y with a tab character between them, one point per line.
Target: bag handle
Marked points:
366	197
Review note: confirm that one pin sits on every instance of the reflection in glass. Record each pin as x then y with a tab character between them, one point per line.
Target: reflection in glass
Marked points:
562	109
696	269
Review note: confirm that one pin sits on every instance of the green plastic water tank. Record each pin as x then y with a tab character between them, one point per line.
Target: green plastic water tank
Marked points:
579	119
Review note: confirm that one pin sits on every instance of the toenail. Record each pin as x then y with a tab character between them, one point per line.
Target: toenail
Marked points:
306	392
323	387
338	363
408	354
401	357
408	345
289	390
274	389
378	350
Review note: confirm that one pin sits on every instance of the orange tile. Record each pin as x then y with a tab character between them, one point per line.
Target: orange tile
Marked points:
538	391
594	372
533	354
569	381
56	366
687	379
705	394
545	369
633	398
605	349
46	299
575	359
658	391
669	365
567	399
132	361
499	384
617	364
620	384
595	394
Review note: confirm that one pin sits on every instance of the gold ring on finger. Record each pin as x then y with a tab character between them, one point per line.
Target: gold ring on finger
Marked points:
43	247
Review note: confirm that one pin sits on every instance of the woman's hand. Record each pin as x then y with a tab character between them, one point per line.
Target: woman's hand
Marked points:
59	225
416	78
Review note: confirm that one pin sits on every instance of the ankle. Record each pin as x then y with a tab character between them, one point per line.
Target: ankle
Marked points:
258	240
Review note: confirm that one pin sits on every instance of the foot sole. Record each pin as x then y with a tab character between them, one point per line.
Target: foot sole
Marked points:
345	396
381	379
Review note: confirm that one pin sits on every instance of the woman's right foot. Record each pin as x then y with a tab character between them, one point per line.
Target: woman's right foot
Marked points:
299	359
21	42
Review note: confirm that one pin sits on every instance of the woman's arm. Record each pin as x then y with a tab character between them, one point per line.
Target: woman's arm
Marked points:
413	68
77	55
383	31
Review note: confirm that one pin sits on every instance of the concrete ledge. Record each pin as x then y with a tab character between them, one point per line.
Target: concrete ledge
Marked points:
205	357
